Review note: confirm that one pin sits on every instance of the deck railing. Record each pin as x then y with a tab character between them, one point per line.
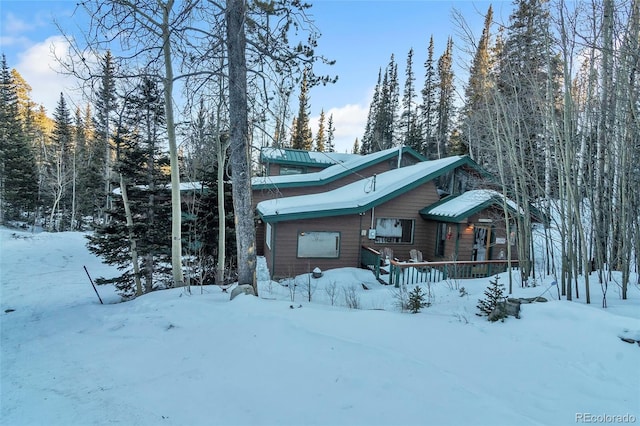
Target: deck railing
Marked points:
371	258
419	272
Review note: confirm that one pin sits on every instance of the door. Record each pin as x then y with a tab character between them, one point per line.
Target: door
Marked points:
481	243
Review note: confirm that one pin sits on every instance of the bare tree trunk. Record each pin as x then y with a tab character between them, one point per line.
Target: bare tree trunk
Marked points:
176	207
239	139
132	240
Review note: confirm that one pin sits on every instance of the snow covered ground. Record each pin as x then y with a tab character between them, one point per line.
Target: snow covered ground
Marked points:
174	358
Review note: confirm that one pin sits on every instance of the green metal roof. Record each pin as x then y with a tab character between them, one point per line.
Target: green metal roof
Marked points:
359	196
457	208
333	172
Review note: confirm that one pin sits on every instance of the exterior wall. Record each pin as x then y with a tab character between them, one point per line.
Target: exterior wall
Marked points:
406	206
351	228
268	194
460	246
282	258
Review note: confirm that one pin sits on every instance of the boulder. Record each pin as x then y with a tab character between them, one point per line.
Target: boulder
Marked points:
242	289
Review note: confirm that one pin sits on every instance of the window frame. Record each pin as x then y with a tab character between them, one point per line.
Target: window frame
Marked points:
389	239
330	254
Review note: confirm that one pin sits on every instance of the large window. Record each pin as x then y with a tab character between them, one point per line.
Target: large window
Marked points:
319	244
390	230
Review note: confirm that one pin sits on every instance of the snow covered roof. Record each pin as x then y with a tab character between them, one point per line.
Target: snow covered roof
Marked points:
184	186
331	173
301	157
358	196
458	207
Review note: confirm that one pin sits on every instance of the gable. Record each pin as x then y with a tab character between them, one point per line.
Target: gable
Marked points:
458	208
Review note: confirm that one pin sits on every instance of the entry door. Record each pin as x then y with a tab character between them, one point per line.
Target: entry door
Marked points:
481	242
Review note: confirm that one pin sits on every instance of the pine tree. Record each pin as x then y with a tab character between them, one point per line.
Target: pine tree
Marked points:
445	101
429	106
18	180
382	121
369	136
90	187
330	129
494	294
356	147
105	106
142	167
477	93
301	137
59	168
408	124
320	136
416	300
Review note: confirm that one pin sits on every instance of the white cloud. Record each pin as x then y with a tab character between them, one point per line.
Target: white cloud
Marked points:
39	68
349	122
15	25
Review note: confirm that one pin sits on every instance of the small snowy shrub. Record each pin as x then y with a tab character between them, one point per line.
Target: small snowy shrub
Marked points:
401	297
332	292
351	298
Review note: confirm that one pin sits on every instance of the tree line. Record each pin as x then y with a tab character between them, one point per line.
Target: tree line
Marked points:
550	107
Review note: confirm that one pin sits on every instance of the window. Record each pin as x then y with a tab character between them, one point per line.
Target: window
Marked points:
319	244
390	230
441	238
291	170
267	236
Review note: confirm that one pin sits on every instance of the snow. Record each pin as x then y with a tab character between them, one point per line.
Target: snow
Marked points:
178	358
468	200
357	194
315	156
351	165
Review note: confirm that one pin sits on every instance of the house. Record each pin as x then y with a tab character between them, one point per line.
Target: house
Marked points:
440	208
354	168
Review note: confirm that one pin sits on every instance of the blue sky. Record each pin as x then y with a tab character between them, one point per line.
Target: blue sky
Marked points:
360	35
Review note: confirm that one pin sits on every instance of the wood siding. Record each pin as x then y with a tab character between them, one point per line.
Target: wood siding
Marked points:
283	260
406	206
271	193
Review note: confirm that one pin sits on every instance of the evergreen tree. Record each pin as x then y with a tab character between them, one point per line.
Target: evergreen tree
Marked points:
105	106
475	128
383	112
320	136
368	137
23	95
429	106
356	147
142	167
409	124
18	178
446	98
330	129
494	294
416	300
301	137
59	168
90	187
523	77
